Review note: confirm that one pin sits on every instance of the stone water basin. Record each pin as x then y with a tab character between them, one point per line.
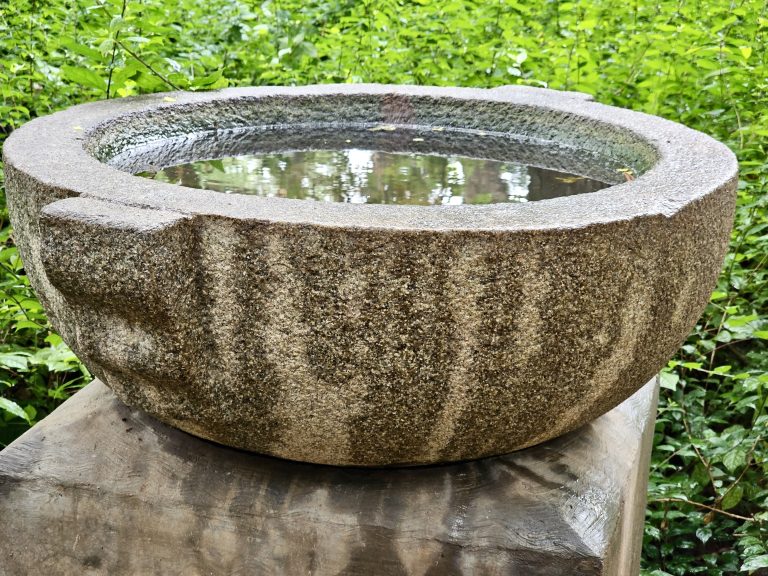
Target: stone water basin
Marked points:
372	334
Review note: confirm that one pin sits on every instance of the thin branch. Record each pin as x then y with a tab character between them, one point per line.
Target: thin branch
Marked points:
114	51
495	54
704	461
748	462
726	345
146	65
705	507
738	121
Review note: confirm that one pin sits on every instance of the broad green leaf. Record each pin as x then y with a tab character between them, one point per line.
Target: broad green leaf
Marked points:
84	76
16	361
733	497
735	321
755	563
669	380
704	534
53	339
31	412
81	49
207	80
724	336
735	459
13	408
25	324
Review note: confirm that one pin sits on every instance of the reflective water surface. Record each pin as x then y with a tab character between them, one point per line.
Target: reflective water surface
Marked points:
377	177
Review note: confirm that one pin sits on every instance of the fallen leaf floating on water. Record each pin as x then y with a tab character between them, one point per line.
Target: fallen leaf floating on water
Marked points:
569	179
628	173
383	128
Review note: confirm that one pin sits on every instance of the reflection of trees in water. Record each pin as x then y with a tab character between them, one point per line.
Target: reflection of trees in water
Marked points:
376	177
183	176
484	183
418	181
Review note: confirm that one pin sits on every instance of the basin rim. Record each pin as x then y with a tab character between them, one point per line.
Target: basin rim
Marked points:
690	165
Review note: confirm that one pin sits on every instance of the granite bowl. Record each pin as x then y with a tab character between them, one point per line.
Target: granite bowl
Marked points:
369	335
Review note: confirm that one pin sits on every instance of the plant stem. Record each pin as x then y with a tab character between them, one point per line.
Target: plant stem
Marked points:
705	507
114	51
146	64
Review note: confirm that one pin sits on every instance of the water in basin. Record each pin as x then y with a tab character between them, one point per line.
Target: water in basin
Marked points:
376	165
362	175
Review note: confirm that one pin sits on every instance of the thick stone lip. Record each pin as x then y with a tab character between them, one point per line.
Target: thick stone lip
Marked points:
690	165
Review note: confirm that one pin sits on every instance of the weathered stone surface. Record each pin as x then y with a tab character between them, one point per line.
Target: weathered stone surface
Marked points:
368	334
99	488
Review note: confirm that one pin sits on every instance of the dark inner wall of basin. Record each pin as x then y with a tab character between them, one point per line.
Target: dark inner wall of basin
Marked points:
496	130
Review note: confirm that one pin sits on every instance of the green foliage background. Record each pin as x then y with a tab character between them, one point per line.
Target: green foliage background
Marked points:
702	63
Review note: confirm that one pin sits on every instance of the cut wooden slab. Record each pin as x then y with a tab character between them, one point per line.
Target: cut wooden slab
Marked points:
99	488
